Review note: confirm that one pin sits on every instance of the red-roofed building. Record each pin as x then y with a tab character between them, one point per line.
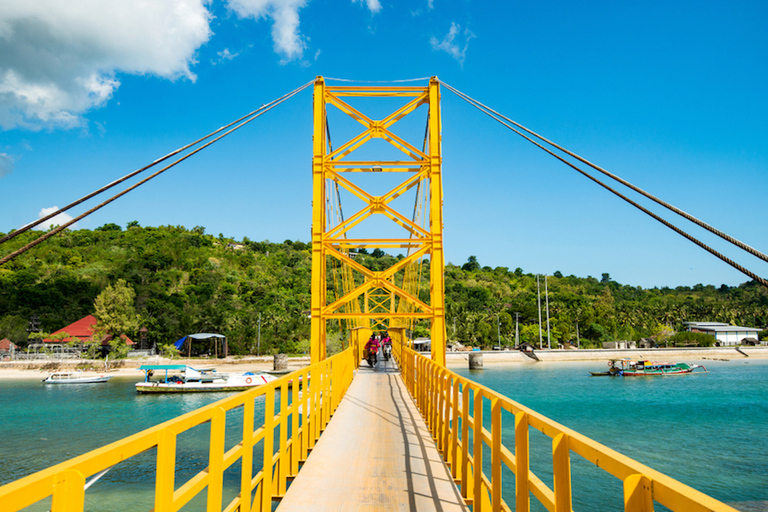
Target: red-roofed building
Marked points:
7	346
82	332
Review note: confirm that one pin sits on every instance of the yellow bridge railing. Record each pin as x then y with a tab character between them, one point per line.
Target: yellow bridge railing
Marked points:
453	408
286	438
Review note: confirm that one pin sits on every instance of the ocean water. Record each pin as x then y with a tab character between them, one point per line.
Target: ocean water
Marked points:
705	430
43	425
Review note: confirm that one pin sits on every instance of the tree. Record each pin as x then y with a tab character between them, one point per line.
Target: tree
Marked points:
115	311
109	227
471	265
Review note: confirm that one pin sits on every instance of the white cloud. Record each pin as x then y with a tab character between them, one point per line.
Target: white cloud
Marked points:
430	4
288	41
451	45
373	5
58	220
225	55
59	59
6	164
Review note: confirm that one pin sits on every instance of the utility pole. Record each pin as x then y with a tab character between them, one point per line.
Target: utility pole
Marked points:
258	349
546	294
538	293
578	341
517	329
498	329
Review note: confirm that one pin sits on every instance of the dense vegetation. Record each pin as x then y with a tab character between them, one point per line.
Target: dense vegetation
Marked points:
187	281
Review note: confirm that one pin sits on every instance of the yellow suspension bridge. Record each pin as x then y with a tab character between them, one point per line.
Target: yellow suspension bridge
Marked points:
407	435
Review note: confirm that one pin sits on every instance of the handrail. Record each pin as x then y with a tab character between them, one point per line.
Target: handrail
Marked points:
322	387
453	407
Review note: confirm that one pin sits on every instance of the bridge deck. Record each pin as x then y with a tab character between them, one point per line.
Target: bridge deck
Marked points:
375	454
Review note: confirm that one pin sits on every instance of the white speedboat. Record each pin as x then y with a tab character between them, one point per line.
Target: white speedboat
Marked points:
74	378
185	379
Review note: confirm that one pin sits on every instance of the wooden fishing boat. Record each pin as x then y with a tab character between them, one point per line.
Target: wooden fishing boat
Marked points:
643	368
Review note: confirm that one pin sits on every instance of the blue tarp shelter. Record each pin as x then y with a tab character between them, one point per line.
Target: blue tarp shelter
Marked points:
204	336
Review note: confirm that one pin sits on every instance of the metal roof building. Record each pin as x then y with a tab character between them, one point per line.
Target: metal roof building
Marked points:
725	334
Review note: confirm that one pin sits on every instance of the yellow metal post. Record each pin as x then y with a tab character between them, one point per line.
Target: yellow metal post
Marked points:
637	494
68	491
496	454
522	494
216	459
317	320
561	462
246	471
437	262
267	485
166	469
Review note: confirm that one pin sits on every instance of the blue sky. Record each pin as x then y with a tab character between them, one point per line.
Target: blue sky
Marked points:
669	95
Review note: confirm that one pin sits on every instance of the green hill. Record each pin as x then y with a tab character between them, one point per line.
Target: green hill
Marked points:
188	281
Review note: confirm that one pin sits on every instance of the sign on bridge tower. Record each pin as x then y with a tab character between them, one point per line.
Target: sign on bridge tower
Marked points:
375	171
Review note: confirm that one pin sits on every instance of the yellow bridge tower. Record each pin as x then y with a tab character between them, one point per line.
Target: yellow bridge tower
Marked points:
362	297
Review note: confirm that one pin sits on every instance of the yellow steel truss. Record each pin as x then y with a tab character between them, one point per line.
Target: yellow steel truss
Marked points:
385	303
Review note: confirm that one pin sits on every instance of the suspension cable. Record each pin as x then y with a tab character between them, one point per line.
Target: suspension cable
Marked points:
615	177
244	121
128	176
676	229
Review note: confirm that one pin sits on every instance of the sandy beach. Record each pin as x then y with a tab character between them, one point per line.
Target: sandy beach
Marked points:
129	367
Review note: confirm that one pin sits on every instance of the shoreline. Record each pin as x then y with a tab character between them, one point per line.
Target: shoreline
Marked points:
15	370
603	354
32	369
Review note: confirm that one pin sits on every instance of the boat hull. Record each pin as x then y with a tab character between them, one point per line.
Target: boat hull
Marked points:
160	387
81	380
198	387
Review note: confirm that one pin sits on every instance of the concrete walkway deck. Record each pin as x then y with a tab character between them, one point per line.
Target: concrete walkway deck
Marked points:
375	454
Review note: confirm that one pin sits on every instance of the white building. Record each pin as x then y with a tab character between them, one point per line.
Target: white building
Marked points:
724	333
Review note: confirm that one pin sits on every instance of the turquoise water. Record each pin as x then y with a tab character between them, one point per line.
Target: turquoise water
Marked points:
43	425
705	430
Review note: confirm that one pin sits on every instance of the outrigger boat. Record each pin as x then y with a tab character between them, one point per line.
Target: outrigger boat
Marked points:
191	380
642	368
74	378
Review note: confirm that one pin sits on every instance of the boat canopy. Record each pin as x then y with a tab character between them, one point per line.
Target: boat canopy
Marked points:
146	367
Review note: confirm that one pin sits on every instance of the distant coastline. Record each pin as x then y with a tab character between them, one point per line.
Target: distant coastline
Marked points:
129	367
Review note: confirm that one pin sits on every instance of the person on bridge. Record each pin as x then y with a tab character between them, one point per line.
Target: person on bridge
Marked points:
372	347
386	346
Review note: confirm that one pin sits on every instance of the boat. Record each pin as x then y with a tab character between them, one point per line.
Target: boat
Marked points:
74	378
643	368
186	379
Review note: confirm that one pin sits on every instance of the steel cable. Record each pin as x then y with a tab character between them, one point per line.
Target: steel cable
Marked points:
624	182
244	120
679	231
128	176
